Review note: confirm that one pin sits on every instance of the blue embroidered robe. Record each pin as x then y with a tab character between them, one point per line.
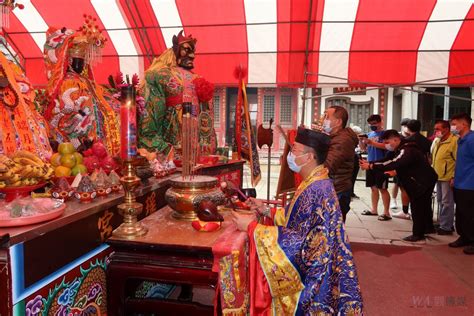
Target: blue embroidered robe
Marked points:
306	256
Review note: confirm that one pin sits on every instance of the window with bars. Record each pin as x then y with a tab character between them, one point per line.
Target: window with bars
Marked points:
268	107
216	102
286	111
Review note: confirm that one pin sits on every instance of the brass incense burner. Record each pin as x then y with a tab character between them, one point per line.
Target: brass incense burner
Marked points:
186	193
130	228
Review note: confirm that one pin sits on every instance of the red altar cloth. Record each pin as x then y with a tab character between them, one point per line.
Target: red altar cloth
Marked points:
231	263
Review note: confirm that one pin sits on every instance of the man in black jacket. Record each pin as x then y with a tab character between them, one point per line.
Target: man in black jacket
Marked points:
416	175
424	144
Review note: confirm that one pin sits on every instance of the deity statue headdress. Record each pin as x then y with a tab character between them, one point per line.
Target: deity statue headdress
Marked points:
181	39
90	41
62	44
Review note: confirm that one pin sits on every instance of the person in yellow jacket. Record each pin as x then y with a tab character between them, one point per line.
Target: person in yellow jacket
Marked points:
443	154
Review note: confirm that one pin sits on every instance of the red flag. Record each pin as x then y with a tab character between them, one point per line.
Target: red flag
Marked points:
244	135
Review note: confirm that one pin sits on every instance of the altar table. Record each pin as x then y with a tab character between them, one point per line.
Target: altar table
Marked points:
171	252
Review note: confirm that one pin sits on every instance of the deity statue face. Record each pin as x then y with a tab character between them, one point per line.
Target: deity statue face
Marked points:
77	65
185	55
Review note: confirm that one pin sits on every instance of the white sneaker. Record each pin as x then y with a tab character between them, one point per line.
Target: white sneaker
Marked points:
402	215
393	205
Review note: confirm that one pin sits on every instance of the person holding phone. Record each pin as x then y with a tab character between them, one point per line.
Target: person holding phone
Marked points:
377	181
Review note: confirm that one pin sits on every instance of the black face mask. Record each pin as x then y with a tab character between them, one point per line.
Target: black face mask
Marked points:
374	127
77	65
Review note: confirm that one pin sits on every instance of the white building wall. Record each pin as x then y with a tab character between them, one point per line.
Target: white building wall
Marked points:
409	104
389	109
308	108
357	98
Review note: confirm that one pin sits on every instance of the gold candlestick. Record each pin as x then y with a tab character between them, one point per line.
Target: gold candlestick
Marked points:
130	228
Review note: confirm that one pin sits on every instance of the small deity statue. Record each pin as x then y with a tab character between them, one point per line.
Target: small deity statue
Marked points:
170	85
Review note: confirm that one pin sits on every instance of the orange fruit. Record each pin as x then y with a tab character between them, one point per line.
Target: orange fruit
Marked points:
56	159
79	158
62	171
68	160
66	148
79	168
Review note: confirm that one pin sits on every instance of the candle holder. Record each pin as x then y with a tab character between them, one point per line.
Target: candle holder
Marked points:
130	228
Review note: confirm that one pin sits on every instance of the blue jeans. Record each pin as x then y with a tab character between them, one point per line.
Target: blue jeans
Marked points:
444	195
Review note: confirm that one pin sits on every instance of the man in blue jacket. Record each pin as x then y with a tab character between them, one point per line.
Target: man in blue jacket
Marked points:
464	183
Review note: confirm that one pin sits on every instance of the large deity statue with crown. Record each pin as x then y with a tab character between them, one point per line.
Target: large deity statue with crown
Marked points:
78	109
170	87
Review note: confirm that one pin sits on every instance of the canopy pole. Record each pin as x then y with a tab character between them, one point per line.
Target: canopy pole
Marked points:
306	56
141	31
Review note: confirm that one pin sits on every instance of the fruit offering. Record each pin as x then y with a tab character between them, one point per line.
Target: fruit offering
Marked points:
23	168
85	191
62	190
97	157
162	169
103	184
67	162
115	181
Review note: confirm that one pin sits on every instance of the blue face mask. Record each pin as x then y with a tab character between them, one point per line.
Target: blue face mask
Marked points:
327	126
374	127
291	159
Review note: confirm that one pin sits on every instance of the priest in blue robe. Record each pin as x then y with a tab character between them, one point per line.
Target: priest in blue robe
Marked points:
301	262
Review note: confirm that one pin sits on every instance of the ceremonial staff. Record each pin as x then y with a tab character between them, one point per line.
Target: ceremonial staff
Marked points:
265	137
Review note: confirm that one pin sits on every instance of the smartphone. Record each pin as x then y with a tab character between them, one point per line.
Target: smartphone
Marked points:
360	156
363	136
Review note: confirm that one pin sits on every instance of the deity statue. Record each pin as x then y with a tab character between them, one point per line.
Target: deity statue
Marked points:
21	126
170	86
79	109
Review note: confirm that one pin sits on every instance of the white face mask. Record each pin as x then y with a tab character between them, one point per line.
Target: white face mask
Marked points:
291	159
405	131
454	130
389	147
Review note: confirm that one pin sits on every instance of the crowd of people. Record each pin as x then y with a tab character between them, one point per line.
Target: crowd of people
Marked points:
421	169
301	255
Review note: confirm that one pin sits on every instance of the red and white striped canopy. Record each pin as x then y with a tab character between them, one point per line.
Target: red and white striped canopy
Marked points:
349	42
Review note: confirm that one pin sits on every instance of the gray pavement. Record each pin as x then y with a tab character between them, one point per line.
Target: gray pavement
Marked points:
360	228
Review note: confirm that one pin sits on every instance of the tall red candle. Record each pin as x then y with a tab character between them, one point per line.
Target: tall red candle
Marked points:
128	123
